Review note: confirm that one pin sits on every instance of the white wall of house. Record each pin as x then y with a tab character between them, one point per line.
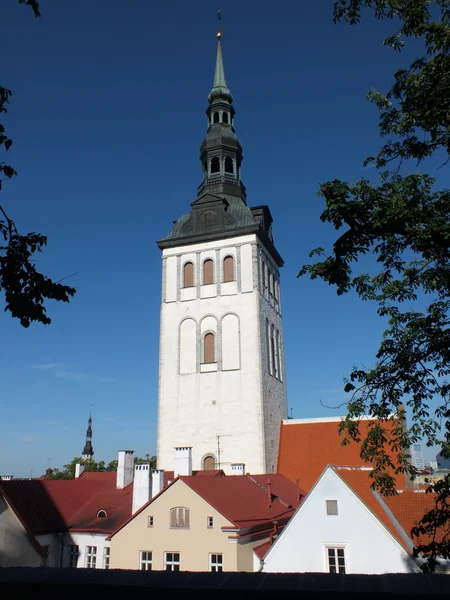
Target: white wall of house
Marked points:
16	549
232	397
368	546
59	548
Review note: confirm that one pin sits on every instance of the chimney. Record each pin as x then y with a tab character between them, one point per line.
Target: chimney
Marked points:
157	481
142	486
238	469
79	468
125	468
269	492
183	460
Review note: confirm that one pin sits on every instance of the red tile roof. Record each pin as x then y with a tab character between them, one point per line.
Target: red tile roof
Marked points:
244	499
49	506
308	446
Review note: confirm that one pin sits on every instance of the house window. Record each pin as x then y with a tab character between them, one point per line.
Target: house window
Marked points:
336	560
210	521
145	560
91	557
106	555
179	517
171	561
150	522
188	275
228	269
209	353
73	556
45	557
209	463
208	272
215	165
216	563
229	167
332	507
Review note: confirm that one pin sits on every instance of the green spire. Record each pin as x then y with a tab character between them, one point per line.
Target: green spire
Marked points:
219	75
220	90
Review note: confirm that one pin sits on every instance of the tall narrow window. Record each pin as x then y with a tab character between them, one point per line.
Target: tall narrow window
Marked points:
106	557
209	353
145	560
73	556
229	168
336	560
91	557
188	275
215	165
225	117
228	268
216	117
208	272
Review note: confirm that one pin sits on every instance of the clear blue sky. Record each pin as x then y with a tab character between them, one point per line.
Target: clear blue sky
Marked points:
107	116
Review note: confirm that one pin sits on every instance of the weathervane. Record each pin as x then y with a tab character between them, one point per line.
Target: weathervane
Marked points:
219	26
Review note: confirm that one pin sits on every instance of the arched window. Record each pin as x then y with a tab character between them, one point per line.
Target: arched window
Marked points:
101	514
209	464
228	269
229	168
270	283
225	118
209	350
188	275
208	272
179	517
215	165
216	117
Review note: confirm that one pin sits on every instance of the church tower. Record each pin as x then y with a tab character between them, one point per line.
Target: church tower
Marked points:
221	370
88	450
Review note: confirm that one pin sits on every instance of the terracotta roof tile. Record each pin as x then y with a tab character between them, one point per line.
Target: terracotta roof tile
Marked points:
308	446
408	507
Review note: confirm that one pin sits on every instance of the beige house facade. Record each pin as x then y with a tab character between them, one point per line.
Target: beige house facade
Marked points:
179	530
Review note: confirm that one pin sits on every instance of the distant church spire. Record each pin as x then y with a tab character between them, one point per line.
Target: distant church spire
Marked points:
88	450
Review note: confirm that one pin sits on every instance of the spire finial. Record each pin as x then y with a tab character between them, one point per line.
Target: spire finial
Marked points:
220	90
219	27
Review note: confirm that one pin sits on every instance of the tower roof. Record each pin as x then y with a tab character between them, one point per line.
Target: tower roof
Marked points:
88	450
219	90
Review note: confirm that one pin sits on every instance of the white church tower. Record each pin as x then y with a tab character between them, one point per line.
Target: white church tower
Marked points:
222	387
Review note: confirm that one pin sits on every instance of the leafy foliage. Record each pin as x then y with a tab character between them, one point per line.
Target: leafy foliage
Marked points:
25	288
404	223
68	471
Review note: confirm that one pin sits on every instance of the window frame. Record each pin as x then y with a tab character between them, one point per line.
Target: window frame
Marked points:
91	557
144	561
74	555
204	282
205	335
210	522
173	562
331	506
338	569
188	262
225	279
150	521
184	523
106	556
216	566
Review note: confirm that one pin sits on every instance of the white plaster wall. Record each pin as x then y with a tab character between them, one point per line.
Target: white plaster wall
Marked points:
230	343
368	546
82	540
16	549
195	407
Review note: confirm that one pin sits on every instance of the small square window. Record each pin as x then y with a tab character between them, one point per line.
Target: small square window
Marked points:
210	522
150	522
332	507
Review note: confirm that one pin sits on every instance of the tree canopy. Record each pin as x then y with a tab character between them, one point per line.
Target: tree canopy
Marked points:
68	471
403	221
24	287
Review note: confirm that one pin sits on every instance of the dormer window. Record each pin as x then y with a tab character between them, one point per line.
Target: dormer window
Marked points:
101	514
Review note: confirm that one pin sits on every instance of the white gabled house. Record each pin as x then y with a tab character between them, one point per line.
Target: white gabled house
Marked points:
342	526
